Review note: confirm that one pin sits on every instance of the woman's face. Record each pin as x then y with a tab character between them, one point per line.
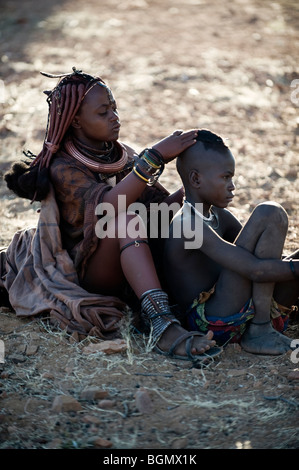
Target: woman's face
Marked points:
97	120
217	179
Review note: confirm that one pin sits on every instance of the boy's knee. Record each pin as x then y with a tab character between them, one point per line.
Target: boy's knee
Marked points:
272	212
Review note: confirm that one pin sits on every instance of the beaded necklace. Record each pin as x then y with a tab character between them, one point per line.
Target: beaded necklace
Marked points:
209	220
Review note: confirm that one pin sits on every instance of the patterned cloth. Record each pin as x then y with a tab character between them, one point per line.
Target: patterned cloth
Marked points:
42	267
40	278
231	328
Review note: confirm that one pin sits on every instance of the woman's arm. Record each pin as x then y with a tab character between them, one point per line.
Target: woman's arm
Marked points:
132	186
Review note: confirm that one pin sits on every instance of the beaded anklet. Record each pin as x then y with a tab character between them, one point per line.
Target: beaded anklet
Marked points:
156	312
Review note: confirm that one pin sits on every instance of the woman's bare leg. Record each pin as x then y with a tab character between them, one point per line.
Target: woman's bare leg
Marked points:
117	260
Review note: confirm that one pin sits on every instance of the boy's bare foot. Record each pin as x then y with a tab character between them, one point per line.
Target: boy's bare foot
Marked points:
263	339
200	344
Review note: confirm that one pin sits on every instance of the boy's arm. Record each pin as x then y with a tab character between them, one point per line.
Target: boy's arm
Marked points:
243	262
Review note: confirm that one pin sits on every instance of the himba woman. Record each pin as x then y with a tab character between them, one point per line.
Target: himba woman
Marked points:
62	267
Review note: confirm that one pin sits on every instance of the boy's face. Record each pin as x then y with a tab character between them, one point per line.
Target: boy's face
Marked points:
97	120
216	179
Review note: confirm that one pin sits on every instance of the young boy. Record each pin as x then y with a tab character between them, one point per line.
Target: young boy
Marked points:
229	284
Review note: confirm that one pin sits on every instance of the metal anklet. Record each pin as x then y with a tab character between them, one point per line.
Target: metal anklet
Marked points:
260	324
136	243
156	312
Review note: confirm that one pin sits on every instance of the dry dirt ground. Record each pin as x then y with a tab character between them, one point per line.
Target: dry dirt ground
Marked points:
230	66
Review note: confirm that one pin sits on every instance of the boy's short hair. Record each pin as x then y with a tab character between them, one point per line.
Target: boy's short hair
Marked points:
211	141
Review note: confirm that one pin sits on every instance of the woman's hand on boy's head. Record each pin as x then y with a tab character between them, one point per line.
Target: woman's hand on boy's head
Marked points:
175	143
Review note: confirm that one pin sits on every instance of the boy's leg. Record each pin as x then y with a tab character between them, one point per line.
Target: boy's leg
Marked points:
264	235
119	259
287	293
260	336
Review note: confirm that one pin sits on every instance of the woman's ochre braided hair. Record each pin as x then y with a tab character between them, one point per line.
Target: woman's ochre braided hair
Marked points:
29	178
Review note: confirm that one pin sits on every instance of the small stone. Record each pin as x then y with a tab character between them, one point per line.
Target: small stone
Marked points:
143	401
180	443
55	444
236	372
65	403
258	384
48	375
107	347
31	349
101	443
292	173
294	375
34	336
12	429
106	404
232	349
21	348
90	419
93	393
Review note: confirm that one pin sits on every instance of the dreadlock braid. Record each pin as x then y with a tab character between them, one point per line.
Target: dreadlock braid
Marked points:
29	178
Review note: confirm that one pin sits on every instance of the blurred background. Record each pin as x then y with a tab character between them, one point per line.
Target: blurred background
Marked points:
227	65
230	66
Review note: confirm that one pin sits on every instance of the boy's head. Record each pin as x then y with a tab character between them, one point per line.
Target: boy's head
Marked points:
206	169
